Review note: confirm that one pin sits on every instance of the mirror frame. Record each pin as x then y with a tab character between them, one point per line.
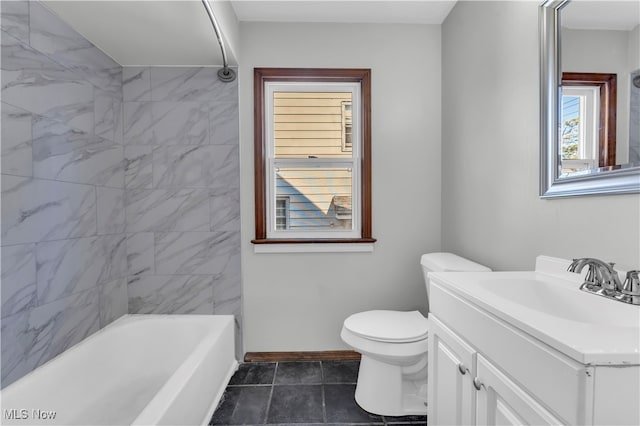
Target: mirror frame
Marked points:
602	181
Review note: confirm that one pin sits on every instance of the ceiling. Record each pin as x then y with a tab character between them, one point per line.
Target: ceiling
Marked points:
178	32
345	11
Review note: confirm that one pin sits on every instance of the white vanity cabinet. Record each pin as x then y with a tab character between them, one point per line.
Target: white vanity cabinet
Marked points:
453	397
484	370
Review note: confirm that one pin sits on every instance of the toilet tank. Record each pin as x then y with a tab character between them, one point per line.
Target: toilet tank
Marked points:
447	262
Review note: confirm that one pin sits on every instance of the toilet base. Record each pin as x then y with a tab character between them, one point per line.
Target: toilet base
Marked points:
392	390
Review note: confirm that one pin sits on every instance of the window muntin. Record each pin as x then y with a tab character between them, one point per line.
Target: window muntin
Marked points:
351	214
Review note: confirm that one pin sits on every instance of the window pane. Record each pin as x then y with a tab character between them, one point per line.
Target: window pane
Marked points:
571	106
312	124
318	198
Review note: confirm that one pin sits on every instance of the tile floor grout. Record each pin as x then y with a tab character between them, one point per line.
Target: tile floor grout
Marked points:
298	382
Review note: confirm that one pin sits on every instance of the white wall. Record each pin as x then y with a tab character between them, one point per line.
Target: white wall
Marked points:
491	210
298	301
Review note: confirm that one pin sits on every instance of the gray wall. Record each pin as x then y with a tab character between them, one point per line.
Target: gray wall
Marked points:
63	242
182	200
115	199
490	105
298	301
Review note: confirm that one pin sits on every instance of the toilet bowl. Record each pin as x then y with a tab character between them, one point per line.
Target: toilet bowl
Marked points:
392	379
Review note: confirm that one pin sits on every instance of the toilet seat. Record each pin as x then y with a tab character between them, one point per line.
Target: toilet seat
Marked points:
388	326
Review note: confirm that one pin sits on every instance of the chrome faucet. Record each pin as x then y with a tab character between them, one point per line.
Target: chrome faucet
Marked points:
603	280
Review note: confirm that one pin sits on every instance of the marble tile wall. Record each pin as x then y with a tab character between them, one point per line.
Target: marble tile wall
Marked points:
182	192
64	260
120	190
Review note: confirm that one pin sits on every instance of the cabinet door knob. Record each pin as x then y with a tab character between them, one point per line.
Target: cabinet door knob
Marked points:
463	369
477	383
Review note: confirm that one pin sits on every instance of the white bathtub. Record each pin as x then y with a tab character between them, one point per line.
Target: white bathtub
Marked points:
141	370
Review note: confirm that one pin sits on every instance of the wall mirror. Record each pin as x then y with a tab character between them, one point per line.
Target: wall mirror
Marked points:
590	97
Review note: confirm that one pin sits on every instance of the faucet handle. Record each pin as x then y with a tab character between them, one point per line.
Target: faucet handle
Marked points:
631	285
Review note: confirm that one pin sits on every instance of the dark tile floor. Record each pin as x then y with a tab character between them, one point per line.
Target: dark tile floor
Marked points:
298	392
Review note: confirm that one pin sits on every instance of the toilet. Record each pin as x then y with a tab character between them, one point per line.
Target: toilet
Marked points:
392	380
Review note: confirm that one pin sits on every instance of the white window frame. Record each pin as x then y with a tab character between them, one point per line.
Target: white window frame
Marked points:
589	114
353	162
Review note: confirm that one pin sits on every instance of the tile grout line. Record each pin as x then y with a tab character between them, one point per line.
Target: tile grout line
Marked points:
322	390
273	382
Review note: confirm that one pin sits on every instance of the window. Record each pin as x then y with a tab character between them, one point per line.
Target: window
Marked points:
282	212
588	122
347	127
312	155
579	128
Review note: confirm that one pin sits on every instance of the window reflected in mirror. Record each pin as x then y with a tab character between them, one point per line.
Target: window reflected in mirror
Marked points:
588	122
599	110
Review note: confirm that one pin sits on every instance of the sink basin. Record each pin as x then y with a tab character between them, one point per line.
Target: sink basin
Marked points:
548	304
551	298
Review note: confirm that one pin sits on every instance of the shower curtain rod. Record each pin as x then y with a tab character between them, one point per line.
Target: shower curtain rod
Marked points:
225	74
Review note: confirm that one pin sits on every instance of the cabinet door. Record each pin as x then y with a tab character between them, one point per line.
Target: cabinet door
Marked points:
451	398
502	402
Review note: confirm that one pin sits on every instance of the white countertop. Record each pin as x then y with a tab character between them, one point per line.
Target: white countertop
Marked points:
548	305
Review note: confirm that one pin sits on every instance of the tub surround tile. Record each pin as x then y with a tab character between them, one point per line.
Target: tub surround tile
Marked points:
196	167
107	110
138	169
69	266
170	294
226	167
190	84
39	210
31	338
137	123
122	193
33	82
62	184
63	323
192	253
136	84
16	141
114	301
15	19
56	39
140	254
18	279
16	340
180	123
224	203
224	122
227	288
111	217
183	167
63	153
167	210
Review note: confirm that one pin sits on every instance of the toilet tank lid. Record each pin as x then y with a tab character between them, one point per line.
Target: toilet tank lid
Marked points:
449	262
